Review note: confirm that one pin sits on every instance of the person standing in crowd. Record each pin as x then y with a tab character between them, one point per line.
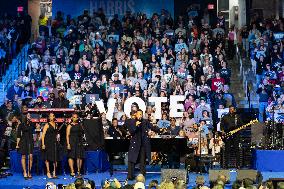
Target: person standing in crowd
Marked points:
25	145
263	93
49	146
74	141
230	122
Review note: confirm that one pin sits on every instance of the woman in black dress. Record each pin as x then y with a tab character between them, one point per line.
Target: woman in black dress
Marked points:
25	145
74	141
50	145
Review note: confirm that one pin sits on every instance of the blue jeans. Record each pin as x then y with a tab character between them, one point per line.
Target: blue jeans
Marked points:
262	110
258	80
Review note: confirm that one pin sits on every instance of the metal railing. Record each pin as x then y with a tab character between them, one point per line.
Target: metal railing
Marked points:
18	65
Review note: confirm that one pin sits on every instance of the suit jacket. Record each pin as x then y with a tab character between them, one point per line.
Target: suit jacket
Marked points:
139	138
230	122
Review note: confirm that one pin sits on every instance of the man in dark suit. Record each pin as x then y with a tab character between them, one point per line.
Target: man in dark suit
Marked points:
140	147
230	122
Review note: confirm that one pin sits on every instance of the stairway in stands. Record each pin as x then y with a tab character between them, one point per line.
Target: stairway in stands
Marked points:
13	72
243	81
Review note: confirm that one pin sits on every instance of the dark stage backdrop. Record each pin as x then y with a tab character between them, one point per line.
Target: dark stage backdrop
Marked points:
10	6
111	7
94	134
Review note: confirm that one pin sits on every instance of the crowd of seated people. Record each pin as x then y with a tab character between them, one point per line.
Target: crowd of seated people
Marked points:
15	31
263	42
133	56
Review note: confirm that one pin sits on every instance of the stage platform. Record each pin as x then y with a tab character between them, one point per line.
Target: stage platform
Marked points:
38	182
268	160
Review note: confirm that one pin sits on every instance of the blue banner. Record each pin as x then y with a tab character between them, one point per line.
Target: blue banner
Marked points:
111	7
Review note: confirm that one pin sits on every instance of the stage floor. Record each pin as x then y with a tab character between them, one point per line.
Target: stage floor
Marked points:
38	182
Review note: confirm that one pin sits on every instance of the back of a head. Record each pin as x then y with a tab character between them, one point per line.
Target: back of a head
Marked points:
220	182
167	185
247	182
92	183
79	183
199	180
222	178
140	178
218	186
153	184
180	184
139	185
71	186
110	187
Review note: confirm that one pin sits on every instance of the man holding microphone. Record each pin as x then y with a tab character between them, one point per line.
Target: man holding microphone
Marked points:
140	147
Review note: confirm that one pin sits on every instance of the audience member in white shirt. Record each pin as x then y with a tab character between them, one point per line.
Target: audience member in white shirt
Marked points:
137	63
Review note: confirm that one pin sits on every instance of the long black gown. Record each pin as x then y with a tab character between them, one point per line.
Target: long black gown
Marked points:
76	142
51	145
25	133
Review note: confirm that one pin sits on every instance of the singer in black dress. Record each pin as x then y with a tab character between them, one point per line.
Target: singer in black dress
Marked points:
50	145
74	141
25	144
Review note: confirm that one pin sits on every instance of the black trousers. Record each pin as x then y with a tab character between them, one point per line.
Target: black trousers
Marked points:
174	160
142	164
231	153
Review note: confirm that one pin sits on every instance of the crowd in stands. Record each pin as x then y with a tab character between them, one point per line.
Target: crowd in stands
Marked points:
132	56
144	57
263	43
15	31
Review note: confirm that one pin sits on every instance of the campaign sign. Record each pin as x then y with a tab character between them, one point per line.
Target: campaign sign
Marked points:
279	35
114	37
180	46
92	98
116	89
43	92
76	99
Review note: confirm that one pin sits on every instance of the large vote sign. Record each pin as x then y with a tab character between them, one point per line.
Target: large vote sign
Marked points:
111	7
